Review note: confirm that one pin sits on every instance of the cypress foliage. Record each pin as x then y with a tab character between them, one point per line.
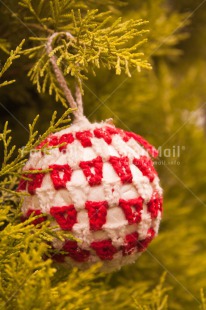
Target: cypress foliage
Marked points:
116	44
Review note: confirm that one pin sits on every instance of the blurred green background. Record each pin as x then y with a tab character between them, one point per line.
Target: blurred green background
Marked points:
167	106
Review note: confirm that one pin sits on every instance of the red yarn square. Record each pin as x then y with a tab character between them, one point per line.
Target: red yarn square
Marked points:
84	137
131	241
104	249
121	167
104	134
75	252
66	216
126	205
93	177
58	181
35	182
155	205
97	212
66	139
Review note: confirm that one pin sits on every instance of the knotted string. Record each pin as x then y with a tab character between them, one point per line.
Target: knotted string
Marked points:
74	104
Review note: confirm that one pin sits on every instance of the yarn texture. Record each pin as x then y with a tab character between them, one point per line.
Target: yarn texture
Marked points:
102	187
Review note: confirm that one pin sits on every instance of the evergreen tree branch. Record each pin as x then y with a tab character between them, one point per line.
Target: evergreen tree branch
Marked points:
203	300
98	42
13	55
157	299
13	167
4	46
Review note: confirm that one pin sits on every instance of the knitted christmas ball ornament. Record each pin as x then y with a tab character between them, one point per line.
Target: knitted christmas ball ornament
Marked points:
102	187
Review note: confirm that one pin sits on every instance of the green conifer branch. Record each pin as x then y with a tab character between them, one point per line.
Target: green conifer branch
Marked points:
13	167
26	280
99	41
203	300
4	46
59	10
13	55
156	299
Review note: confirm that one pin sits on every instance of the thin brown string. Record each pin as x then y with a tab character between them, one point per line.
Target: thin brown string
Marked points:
74	104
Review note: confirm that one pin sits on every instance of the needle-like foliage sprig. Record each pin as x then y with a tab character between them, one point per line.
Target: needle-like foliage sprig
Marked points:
99	41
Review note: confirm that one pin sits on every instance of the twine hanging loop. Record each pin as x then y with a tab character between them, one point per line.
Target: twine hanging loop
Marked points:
74	104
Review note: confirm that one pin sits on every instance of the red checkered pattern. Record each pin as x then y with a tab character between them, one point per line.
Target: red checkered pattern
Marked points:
102	187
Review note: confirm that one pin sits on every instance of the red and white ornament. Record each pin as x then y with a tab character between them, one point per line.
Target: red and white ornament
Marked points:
102	188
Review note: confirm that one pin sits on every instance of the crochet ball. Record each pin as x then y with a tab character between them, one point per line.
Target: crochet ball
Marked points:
101	187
